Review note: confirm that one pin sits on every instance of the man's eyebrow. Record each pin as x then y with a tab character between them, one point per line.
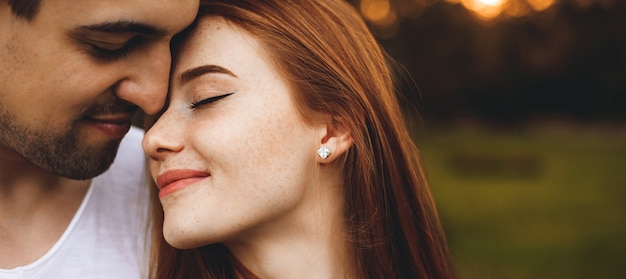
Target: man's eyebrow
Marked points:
195	72
122	27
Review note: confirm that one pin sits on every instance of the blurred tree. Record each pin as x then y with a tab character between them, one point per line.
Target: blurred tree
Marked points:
508	61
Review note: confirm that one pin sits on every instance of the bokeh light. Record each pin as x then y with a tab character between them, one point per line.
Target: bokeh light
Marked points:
385	15
540	5
486	9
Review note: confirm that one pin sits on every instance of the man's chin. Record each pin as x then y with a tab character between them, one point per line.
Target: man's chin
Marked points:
84	162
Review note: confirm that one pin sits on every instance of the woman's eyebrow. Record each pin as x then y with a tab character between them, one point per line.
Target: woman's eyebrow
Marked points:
195	72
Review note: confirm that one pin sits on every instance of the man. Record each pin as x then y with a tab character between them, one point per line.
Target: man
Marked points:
72	73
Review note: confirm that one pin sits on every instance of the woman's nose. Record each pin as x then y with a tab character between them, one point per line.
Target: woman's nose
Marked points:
164	137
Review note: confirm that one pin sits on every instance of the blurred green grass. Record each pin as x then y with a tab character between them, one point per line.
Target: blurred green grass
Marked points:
531	204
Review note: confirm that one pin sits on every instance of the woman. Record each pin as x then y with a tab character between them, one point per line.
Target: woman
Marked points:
283	154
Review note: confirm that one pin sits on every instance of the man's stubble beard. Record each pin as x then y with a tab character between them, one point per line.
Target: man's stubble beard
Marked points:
59	153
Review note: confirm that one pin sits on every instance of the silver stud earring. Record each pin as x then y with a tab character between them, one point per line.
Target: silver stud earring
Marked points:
323	152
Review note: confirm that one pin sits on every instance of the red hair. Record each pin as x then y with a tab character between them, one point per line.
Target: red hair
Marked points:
336	67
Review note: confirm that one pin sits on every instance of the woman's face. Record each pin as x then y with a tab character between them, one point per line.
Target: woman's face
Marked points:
231	154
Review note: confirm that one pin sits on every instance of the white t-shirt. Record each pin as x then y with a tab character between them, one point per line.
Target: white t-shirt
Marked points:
106	237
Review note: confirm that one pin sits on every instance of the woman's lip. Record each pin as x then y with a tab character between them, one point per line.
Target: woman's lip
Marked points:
174	180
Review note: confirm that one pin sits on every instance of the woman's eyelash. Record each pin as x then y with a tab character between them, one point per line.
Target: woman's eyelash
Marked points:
209	100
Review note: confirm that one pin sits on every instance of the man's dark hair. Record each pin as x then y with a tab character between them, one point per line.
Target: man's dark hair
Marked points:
26	9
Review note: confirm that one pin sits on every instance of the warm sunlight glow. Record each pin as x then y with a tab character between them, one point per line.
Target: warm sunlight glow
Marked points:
390	19
490	9
540	5
385	14
486	9
517	9
375	10
491	2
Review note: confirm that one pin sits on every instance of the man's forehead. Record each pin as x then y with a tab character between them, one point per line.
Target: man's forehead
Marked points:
116	14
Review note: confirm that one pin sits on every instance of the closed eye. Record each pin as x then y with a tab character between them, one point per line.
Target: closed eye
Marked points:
209	100
111	52
110	41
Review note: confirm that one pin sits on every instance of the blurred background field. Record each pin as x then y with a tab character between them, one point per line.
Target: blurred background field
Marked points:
520	114
531	204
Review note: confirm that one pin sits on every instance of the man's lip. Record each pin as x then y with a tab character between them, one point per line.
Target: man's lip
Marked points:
114	125
171	176
117	118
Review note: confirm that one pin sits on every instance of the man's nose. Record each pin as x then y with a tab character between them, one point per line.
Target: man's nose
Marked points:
147	79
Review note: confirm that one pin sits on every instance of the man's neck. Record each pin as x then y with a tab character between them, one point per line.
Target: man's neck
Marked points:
26	186
35	209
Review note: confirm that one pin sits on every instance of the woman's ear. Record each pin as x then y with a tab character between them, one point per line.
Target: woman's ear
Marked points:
335	140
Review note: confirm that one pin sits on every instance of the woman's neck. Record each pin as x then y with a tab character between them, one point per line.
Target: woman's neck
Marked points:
310	242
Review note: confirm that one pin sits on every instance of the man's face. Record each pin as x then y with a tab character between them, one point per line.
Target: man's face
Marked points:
72	77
